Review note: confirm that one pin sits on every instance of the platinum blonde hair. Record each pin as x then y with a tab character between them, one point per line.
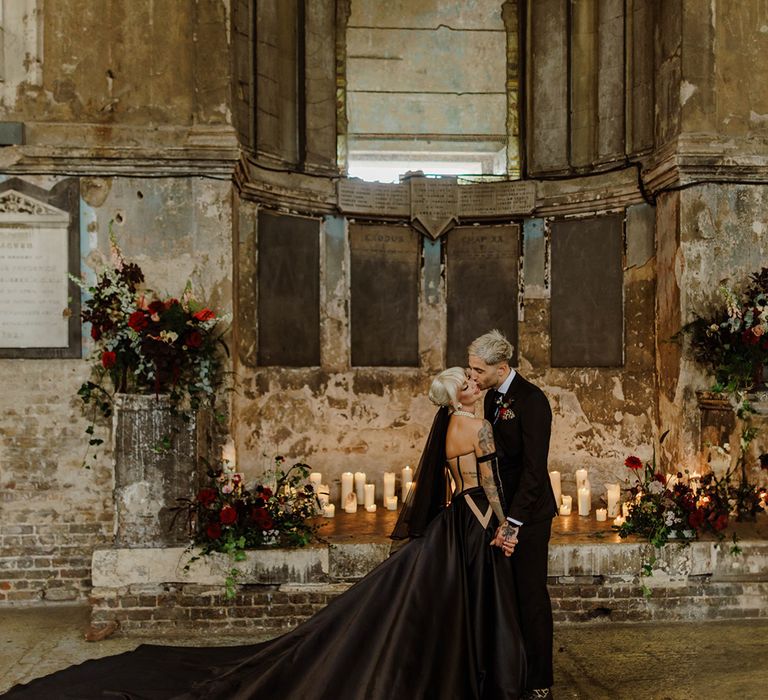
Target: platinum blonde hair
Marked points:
446	385
492	348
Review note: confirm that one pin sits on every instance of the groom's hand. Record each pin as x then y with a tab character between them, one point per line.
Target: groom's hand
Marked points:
506	538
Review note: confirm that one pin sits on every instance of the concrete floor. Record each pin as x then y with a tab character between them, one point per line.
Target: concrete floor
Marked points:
676	661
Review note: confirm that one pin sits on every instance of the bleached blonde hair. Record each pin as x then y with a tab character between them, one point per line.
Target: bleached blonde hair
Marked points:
446	385
492	348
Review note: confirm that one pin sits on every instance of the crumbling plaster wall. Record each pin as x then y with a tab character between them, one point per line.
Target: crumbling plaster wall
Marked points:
721	241
122	95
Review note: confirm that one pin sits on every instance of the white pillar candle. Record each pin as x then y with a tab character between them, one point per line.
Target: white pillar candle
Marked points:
601	514
406	476
389	484
368	494
371	508
584	501
554	479
228	453
613	496
581	478
347	479
565	509
619	520
315	478
360	486
350	504
323	499
407	490
329	511
568	501
390	502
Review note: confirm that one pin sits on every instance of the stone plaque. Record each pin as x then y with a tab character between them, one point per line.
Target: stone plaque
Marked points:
384	295
482	286
494	199
36	257
587	318
288	290
434	204
359	197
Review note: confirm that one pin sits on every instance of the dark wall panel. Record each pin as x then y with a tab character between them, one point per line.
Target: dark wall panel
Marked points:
289	290
586	312
385	295
482	284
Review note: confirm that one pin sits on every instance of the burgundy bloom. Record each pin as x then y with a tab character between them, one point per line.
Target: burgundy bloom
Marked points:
228	515
156	307
262	519
108	359
194	339
633	462
213	530
95	332
720	522
658	476
138	321
696	518
204	315
206	496
266	492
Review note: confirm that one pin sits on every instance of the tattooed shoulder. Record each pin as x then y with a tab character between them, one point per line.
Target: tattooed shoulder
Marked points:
485	438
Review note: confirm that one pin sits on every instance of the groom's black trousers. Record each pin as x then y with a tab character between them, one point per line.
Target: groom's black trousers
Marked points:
529	564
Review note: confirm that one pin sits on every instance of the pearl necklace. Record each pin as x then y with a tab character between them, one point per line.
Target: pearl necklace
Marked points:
458	412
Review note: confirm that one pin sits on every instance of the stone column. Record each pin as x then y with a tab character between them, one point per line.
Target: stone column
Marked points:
159	458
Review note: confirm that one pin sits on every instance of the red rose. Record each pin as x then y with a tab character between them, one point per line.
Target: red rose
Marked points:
171	302
138	321
228	515
266	492
204	315
213	531
156	307
95	332
206	496
696	518
720	523
108	359
633	462
658	476
262	519
194	339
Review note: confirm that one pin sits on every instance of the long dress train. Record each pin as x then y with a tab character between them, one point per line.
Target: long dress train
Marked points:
437	619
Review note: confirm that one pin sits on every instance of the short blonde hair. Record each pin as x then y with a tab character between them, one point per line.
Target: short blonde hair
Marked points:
492	348
446	385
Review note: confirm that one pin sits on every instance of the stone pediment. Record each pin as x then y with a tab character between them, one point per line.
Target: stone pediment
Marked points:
21	208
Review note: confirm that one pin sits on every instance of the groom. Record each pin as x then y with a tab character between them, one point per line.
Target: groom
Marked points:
521	419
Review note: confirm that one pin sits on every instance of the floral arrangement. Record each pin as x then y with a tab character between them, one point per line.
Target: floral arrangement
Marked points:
145	344
733	343
663	506
227	517
504	409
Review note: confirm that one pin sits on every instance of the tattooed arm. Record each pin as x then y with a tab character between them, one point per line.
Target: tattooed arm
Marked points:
485	450
486	447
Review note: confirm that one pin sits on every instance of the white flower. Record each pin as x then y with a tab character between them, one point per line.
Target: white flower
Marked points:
655	487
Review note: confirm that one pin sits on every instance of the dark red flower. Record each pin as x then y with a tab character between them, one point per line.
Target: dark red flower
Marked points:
194	339
633	462
95	332
658	476
696	518
266	492
156	307
170	302
138	321
108	359
720	522
213	530
204	315
262	519
206	496
749	337
228	515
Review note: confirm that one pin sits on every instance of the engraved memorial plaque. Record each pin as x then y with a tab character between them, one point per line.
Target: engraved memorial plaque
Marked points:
482	286
289	290
36	257
587	318
434	204
384	295
496	199
359	197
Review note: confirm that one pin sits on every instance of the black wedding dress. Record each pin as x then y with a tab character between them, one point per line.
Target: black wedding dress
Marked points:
438	619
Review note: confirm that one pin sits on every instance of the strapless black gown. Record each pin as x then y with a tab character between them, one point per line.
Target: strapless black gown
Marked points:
438	619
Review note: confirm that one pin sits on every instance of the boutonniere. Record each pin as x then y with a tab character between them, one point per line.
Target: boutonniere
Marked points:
504	409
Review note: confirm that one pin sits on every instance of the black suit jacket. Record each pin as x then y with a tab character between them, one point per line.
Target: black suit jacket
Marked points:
522	445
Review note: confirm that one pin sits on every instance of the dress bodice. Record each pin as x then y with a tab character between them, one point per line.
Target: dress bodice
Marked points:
463	469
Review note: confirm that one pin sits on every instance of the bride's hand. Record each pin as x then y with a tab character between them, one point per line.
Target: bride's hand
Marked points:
505	538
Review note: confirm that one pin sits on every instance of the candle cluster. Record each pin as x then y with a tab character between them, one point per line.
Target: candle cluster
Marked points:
584	498
356	491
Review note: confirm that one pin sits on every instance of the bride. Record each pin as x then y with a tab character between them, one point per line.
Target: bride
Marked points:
438	619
